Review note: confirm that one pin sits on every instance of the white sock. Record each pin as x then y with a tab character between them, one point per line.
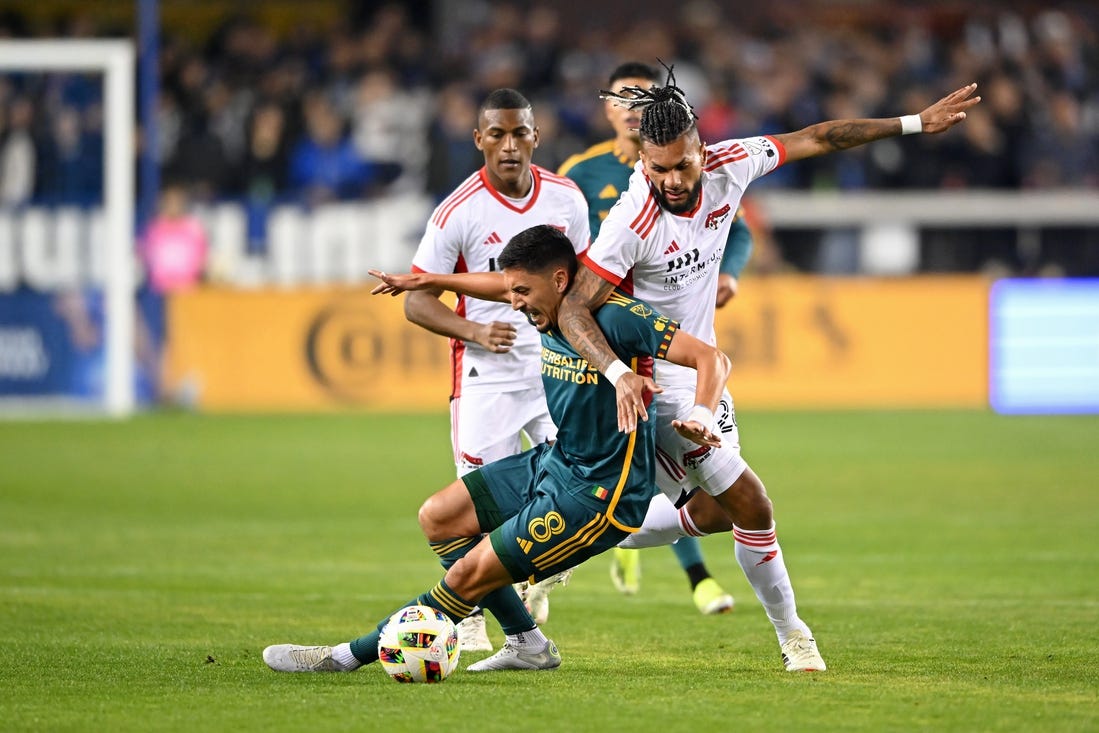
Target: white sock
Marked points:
528	641
662	526
760	558
343	656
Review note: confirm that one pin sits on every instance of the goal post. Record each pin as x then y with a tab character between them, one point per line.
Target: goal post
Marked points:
114	59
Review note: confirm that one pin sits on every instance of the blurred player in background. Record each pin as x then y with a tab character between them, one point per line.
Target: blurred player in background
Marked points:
603	172
554	505
496	390
665	237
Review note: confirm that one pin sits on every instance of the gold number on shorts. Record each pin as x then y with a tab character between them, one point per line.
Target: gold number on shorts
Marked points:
542	528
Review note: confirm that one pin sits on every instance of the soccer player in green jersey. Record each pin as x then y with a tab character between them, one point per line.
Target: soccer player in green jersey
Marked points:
603	172
532	515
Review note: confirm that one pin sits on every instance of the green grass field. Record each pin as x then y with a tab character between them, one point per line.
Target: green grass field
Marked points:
947	561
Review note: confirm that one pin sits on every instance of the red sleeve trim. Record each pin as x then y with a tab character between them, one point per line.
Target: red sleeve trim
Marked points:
781	149
601	272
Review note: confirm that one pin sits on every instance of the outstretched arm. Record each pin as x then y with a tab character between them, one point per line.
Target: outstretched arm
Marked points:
588	292
423	307
828	137
480	285
712	368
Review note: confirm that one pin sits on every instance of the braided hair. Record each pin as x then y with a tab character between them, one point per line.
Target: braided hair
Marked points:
665	112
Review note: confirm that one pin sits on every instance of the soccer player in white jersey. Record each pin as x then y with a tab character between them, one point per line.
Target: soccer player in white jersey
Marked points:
664	239
496	388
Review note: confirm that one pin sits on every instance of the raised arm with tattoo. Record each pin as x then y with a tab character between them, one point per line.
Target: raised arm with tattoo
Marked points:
828	137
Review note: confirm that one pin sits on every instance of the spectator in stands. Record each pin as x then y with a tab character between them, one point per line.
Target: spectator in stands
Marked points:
325	166
263	171
72	162
18	158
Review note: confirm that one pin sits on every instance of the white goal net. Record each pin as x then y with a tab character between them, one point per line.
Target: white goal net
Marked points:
67	267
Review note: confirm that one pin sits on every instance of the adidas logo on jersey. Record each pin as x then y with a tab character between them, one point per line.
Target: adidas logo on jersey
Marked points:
673	247
493	238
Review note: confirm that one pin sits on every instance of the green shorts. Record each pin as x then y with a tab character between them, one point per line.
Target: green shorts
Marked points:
539	527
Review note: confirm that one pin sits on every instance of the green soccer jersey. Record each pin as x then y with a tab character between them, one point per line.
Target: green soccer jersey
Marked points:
590	451
603	172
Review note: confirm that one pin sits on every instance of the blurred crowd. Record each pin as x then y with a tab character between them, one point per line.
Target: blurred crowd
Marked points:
385	101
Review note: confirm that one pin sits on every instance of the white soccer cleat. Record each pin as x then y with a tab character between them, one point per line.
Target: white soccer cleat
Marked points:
294	658
537	596
511	657
472	636
799	654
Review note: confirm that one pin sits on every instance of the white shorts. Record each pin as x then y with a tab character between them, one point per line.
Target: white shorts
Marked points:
682	465
488	426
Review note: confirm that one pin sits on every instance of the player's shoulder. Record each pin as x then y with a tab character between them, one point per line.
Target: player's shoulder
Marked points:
552	179
579	160
620	303
728	153
465	191
622	308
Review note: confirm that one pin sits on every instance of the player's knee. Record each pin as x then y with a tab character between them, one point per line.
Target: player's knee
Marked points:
432	524
474	576
754	508
708	515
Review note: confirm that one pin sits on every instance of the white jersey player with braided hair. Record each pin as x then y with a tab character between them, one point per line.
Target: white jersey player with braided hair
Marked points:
496	389
663	241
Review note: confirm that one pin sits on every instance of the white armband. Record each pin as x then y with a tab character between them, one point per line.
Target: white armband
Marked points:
616	370
704	416
911	124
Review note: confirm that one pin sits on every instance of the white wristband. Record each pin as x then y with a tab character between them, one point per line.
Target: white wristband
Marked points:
616	370
704	416
911	124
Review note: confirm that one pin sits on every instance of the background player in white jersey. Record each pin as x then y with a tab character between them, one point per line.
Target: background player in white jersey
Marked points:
664	239
496	389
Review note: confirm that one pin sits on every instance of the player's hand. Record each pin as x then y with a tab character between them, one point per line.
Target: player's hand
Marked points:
498	337
697	432
948	111
396	284
726	289
631	390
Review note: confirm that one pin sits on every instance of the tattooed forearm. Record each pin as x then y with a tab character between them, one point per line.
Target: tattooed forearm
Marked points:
583	333
843	134
576	322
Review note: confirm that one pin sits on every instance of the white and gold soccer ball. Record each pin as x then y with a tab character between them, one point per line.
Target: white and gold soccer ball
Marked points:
419	644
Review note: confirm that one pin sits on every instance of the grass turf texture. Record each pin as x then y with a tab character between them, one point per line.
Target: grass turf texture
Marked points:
947	562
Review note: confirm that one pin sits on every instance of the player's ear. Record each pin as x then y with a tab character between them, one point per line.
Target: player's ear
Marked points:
536	136
477	138
561	279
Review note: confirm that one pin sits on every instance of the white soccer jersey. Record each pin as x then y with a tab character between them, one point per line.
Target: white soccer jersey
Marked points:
466	233
672	260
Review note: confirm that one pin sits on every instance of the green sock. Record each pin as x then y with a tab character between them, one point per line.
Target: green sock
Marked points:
503	603
506	605
441	597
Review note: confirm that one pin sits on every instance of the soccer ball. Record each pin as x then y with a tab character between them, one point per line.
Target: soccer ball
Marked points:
419	644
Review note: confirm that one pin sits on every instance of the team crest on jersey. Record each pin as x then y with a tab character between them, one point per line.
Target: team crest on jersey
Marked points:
694	459
713	221
641	310
756	147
